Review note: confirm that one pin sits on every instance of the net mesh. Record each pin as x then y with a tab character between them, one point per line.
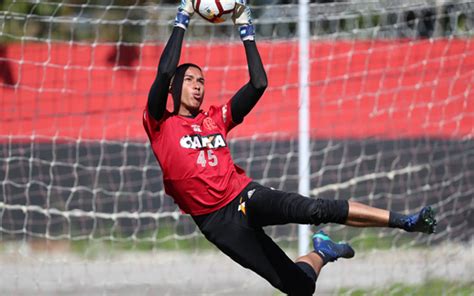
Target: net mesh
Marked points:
392	113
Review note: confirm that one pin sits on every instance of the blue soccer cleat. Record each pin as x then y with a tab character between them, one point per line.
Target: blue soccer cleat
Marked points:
424	221
330	251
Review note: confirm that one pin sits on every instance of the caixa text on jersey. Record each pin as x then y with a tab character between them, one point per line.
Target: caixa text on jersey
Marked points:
199	141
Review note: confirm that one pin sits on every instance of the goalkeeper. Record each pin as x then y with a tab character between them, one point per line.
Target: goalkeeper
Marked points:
228	207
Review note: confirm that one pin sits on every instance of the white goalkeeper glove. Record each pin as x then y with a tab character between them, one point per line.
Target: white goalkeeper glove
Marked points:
242	17
185	12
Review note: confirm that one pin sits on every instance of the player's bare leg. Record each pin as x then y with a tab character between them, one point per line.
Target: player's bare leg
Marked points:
313	260
361	215
325	250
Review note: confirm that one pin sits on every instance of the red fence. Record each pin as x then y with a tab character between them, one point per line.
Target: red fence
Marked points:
386	89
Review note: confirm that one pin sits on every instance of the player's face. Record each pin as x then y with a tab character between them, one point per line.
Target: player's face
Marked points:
192	93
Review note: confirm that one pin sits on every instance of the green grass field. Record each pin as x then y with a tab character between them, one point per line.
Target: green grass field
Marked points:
432	287
166	238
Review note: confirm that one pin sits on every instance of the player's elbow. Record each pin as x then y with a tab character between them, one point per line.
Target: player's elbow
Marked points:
165	74
260	84
166	70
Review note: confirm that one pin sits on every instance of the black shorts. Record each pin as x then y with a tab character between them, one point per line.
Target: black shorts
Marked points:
237	231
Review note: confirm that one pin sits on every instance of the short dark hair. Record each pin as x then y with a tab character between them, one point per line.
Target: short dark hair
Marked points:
177	84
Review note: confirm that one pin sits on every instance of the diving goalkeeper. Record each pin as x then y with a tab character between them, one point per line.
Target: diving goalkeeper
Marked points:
229	208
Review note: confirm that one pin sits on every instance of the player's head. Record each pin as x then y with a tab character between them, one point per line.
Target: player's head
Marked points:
187	89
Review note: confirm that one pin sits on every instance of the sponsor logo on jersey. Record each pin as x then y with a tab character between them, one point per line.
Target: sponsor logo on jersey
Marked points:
199	142
209	124
224	113
196	128
242	207
250	193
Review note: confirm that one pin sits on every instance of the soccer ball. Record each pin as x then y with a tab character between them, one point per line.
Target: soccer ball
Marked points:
214	11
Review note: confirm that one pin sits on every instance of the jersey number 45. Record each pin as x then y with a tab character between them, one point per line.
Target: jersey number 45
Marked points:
211	158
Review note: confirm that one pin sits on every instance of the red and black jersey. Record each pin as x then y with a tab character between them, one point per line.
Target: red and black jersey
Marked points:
198	170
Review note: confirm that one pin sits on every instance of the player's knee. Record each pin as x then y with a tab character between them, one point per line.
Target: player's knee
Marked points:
326	211
300	282
303	287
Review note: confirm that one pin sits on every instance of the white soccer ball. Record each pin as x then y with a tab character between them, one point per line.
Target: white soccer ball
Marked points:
214	11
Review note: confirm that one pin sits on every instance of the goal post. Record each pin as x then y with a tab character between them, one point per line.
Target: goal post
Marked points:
378	93
304	155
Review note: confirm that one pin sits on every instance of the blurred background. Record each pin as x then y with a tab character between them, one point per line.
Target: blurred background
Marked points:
82	206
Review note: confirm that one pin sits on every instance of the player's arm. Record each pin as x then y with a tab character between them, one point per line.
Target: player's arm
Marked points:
247	96
169	60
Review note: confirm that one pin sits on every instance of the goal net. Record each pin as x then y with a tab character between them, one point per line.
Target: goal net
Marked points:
82	205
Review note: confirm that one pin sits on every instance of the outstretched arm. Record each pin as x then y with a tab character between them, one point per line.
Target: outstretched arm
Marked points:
247	96
169	59
168	62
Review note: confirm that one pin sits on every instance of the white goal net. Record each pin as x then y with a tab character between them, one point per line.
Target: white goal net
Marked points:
82	205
